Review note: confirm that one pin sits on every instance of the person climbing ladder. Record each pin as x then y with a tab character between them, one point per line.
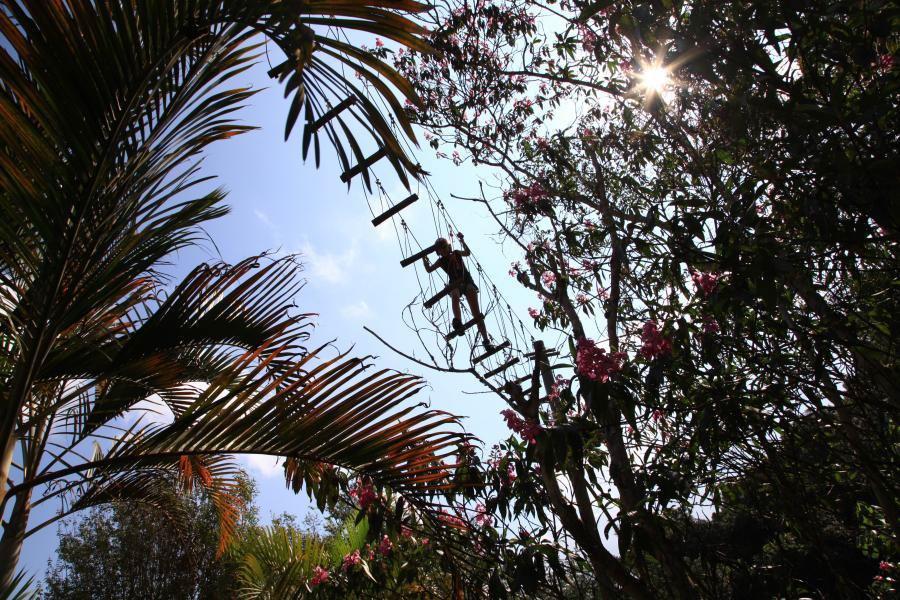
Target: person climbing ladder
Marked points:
452	263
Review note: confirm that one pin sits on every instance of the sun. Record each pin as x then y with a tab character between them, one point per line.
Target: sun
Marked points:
656	79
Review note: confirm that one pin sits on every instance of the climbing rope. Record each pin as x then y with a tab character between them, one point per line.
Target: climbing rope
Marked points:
432	324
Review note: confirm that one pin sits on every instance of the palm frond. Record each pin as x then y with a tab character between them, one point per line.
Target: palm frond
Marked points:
276	562
226	354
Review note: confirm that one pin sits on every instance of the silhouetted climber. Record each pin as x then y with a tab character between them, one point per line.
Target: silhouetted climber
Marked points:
452	263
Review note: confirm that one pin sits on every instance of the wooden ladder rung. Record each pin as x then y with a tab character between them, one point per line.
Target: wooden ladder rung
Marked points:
434	299
418	255
490	353
394	210
548	354
502	367
345	104
465	326
346	176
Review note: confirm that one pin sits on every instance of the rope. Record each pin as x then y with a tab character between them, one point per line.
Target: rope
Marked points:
432	325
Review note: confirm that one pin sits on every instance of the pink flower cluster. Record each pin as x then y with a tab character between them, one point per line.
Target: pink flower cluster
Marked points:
510	474
654	344
496	461
548	278
705	282
319	577
451	520
884	63
385	546
588	38
351	560
528	199
482	518
558	385
527	429
364	494
710	325
594	363
533	313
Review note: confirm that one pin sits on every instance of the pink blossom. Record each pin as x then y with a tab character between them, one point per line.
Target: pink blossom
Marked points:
594	363
379	43
710	325
654	344
452	520
884	63
588	38
533	313
351	560
406	532
705	282
364	494
320	576
522	104
482	518
385	546
580	298
558	385
657	415
885	565
528	199
527	429
548	278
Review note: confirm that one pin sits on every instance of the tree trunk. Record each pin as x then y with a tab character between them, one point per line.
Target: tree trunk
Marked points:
13	539
5	465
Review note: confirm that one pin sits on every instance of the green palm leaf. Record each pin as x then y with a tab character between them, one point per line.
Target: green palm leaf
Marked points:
104	108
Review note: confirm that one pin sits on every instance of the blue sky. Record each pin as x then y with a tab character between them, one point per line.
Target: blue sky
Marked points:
352	269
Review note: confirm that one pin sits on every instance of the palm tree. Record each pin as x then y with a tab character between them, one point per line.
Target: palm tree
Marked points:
277	561
105	104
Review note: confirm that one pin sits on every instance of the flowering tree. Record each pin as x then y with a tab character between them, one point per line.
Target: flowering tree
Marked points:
701	196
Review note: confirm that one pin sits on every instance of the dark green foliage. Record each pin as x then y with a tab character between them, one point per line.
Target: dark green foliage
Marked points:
165	552
734	232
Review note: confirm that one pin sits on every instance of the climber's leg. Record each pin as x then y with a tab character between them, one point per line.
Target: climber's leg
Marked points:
454	304
472	297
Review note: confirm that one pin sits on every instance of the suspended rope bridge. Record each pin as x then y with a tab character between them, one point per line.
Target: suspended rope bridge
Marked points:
507	356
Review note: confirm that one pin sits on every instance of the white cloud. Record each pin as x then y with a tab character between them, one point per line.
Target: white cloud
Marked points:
152	410
264	218
327	267
263	465
359	310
